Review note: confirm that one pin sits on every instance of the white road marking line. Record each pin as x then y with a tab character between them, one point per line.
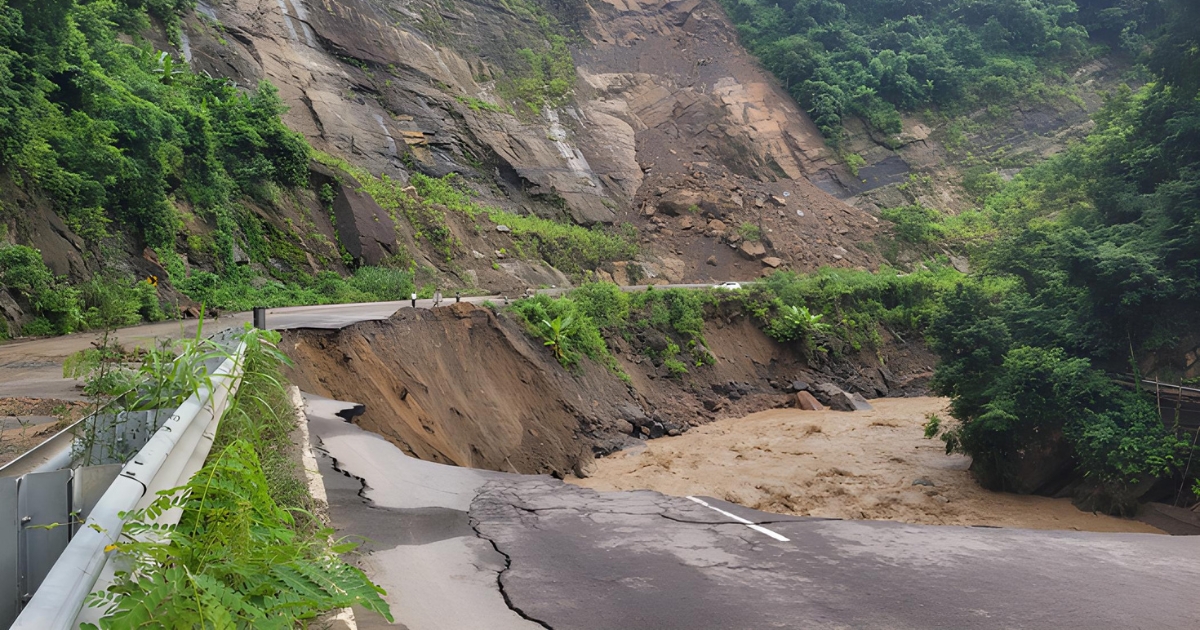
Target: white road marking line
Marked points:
758	528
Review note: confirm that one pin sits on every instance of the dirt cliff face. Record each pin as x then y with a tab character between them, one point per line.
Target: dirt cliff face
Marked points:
665	100
462	385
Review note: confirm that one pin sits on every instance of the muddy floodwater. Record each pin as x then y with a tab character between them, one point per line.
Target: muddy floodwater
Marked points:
845	465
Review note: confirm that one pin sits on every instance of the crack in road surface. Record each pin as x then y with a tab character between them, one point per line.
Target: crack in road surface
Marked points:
478	550
500	579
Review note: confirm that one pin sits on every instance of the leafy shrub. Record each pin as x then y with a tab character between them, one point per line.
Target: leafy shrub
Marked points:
574	334
605	303
233	557
750	231
794	323
678	310
916	224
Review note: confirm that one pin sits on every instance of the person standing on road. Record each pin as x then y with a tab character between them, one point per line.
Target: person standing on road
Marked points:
437	297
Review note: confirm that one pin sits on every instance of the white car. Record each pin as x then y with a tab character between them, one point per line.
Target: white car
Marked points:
728	286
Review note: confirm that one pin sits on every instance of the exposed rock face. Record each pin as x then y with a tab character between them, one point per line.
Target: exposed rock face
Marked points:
365	229
666	103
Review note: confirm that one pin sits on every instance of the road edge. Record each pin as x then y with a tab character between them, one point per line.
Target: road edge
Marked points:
342	619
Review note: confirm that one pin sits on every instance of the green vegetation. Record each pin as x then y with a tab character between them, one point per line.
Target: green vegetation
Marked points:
112	131
850	306
238	556
833	311
478	104
876	58
916	224
567	246
102	302
241	292
566	329
543	74
750	231
1092	261
233	560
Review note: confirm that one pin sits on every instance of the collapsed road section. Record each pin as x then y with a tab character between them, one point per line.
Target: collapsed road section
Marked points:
472	549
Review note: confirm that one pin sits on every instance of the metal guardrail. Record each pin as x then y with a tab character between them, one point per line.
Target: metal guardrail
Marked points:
58	585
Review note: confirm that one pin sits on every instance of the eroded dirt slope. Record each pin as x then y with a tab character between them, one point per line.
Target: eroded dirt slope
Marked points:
464	386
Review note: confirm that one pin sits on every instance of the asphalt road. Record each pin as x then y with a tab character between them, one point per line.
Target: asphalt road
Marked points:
461	549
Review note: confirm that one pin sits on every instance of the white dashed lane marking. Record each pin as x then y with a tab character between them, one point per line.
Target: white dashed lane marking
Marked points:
758	528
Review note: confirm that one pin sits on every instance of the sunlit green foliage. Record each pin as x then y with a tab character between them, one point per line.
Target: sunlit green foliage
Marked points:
574	335
111	130
247	552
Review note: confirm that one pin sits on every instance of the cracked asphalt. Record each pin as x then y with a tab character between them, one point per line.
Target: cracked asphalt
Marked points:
461	549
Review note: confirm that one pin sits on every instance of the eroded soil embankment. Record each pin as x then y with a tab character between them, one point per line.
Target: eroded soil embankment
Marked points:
457	385
463	386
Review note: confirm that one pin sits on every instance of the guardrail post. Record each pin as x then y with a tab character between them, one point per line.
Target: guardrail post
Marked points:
260	317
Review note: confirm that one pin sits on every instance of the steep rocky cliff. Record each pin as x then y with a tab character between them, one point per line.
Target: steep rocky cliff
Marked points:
666	105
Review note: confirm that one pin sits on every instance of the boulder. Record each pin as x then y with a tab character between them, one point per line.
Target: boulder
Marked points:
712	260
717	225
833	397
364	228
808	402
842	402
503	228
860	403
585	467
680	201
752	250
772	262
686	223
799	386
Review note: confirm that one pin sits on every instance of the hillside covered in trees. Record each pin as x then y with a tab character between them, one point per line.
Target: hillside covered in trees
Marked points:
876	58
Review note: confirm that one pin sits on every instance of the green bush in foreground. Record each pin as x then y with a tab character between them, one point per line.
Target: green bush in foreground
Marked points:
238	557
233	560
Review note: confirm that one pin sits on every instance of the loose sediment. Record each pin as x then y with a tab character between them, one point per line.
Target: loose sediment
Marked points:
861	465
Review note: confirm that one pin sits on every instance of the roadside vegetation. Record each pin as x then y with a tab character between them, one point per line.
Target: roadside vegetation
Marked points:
246	550
831	313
